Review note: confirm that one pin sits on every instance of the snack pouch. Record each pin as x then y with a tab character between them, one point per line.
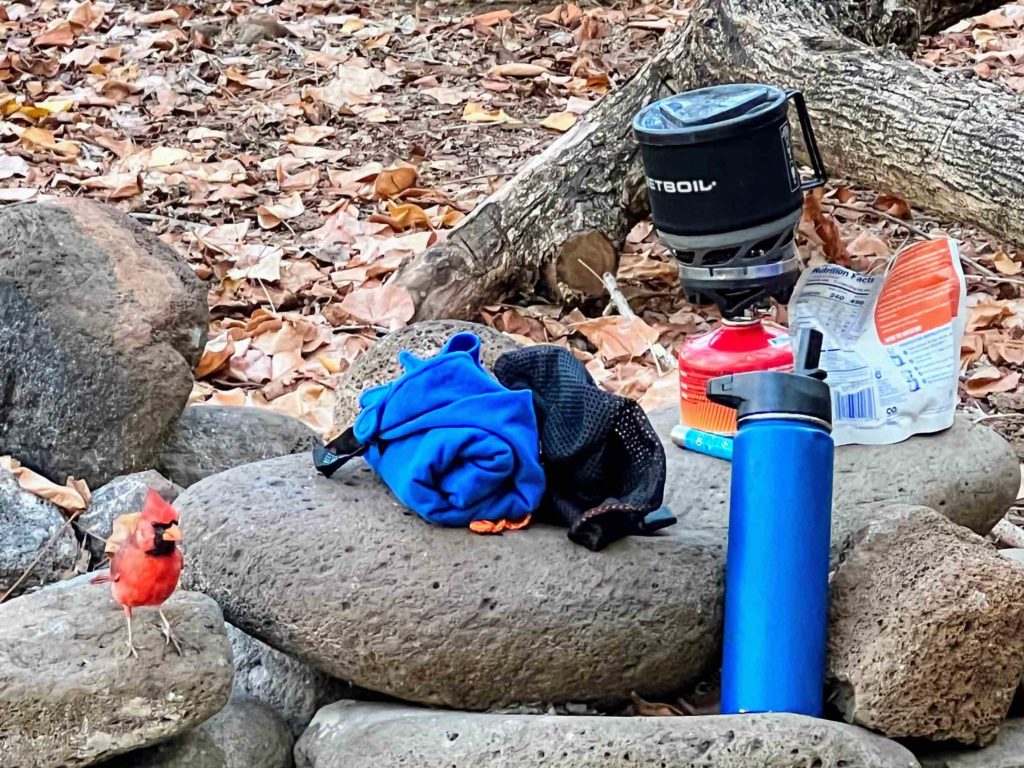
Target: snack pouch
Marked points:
891	342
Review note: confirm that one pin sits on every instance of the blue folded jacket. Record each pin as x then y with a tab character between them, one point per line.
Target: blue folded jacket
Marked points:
452	443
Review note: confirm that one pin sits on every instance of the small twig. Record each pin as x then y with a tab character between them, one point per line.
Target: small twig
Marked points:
990	416
467	179
169	219
1008	533
266	293
39	556
658	352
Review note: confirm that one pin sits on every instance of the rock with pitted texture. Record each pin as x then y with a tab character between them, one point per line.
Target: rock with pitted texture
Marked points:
361	735
27	524
968	473
379	364
336	573
245	734
208	439
68	695
926	630
100	326
292	689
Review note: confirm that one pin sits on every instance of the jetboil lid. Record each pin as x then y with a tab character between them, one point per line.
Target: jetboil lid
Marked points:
709	114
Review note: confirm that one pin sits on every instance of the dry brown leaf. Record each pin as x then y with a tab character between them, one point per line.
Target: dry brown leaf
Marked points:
894	206
989	379
40	138
825	227
401	217
650	709
116	186
72	497
996	19
158	17
1004	264
394	181
983	315
559	121
61	33
1006	352
517	69
216	354
123	529
443	95
866	244
618	338
489	19
475	112
269	216
389	305
300	181
310	134
87	14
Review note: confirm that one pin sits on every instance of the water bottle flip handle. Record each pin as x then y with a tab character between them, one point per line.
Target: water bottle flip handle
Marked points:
820	174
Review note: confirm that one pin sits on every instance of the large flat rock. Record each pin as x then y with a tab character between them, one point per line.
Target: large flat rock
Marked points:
361	735
968	473
68	697
336	573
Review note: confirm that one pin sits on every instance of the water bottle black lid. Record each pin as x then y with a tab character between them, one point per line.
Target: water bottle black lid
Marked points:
709	114
773	394
802	394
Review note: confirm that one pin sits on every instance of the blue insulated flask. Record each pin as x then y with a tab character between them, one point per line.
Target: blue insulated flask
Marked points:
777	564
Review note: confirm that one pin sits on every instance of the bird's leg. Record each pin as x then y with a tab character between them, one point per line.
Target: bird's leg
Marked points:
131	646
169	638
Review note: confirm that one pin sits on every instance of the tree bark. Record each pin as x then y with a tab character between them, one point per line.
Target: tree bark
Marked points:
949	144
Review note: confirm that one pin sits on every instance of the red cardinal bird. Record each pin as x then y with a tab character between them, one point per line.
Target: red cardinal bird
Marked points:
145	569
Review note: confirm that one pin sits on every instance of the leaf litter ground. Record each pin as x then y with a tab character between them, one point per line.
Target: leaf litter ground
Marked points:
296	152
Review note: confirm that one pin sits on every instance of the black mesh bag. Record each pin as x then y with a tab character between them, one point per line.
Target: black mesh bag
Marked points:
604	463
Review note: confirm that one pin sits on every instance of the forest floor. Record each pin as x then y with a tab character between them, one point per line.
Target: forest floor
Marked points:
295	152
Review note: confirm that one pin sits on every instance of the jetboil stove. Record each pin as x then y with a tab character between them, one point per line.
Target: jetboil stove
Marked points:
726	196
725	191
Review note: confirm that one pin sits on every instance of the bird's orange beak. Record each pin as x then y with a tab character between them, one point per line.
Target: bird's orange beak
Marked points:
173	533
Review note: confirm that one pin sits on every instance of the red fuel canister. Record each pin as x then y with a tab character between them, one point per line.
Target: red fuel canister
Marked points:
735	346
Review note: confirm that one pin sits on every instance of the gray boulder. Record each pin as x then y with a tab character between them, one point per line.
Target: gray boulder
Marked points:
379	364
68	696
210	439
337	574
926	630
100	326
1007	751
968	473
121	496
294	690
27	524
359	735
326	569
245	734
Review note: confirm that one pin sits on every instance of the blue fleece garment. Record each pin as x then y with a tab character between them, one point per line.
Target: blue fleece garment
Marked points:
451	442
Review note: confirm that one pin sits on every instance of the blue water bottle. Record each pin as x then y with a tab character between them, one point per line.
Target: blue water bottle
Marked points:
777	564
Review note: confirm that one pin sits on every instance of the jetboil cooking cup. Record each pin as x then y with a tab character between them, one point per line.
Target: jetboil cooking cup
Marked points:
720	159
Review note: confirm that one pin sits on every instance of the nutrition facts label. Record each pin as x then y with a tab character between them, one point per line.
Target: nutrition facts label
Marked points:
891	343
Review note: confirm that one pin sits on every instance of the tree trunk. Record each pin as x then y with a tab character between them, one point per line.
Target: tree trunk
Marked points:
949	144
